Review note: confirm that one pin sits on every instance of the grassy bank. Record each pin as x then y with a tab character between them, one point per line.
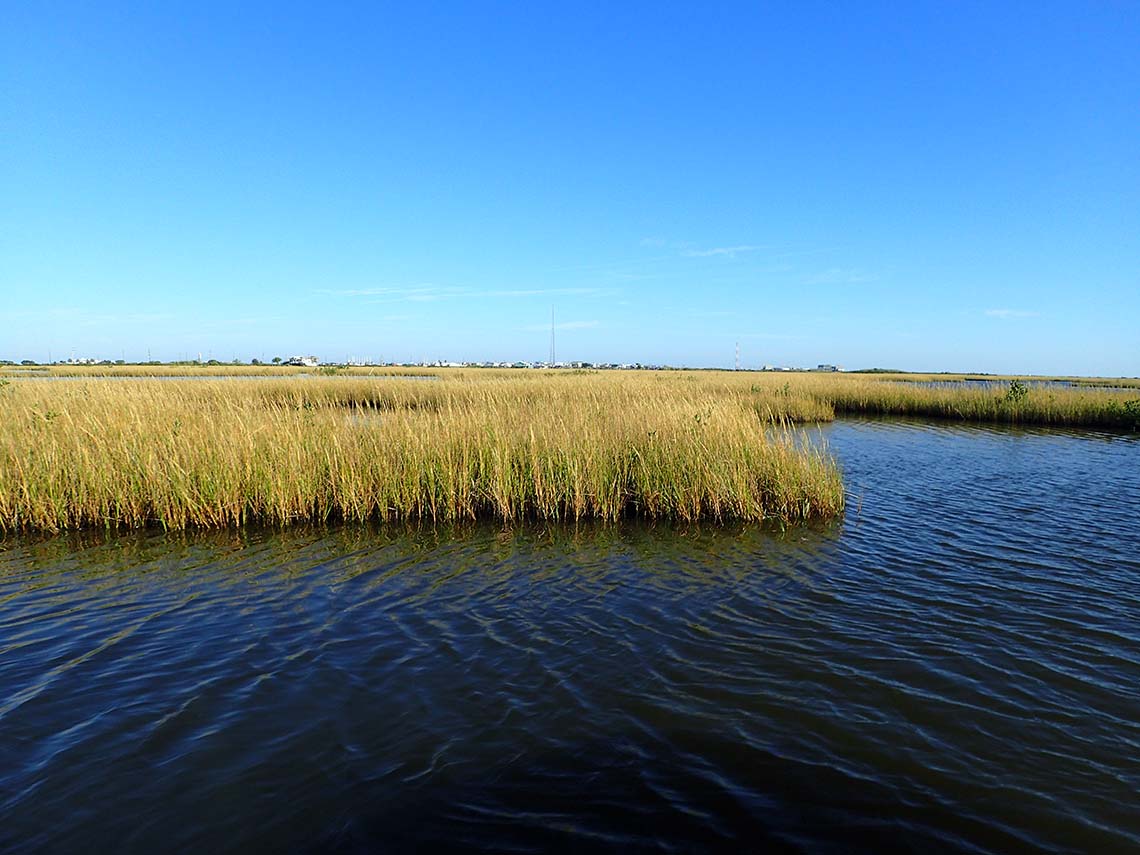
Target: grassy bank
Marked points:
469	444
128	453
797	396
1005	401
1015	403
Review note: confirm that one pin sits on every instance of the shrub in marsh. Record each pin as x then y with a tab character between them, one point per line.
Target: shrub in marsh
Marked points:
1129	413
1016	393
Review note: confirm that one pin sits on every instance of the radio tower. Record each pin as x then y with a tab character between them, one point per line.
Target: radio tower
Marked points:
551	336
738	356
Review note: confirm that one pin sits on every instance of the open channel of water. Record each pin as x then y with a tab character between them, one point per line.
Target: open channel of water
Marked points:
955	666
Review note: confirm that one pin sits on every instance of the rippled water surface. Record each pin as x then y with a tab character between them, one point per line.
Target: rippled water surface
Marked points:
955	666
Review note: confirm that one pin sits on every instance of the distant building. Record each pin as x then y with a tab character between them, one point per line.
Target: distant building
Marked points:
822	367
303	361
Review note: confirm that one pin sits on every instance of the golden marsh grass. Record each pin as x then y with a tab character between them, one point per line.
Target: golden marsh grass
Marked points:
511	446
797	396
125	451
1083	405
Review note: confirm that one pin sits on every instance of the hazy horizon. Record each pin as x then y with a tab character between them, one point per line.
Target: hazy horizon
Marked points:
929	187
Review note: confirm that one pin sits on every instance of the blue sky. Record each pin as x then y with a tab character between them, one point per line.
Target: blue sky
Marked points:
946	186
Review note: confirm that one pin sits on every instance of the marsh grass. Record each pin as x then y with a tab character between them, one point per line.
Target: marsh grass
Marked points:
473	444
1012	403
213	453
808	396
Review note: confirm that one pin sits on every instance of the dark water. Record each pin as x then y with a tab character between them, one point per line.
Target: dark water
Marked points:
955	666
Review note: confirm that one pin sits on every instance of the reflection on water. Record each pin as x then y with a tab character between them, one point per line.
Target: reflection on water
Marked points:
954	666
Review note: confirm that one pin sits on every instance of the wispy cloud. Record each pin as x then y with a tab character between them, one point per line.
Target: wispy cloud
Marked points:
248	321
539	292
568	325
437	293
841	276
726	251
87	318
399	291
771	336
127	319
1010	313
657	265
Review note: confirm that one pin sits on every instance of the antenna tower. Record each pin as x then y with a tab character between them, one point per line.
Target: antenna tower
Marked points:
738	356
552	360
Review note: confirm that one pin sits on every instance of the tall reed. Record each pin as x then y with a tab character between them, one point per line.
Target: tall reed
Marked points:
129	453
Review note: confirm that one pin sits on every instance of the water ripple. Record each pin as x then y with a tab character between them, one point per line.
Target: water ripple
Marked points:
954	667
